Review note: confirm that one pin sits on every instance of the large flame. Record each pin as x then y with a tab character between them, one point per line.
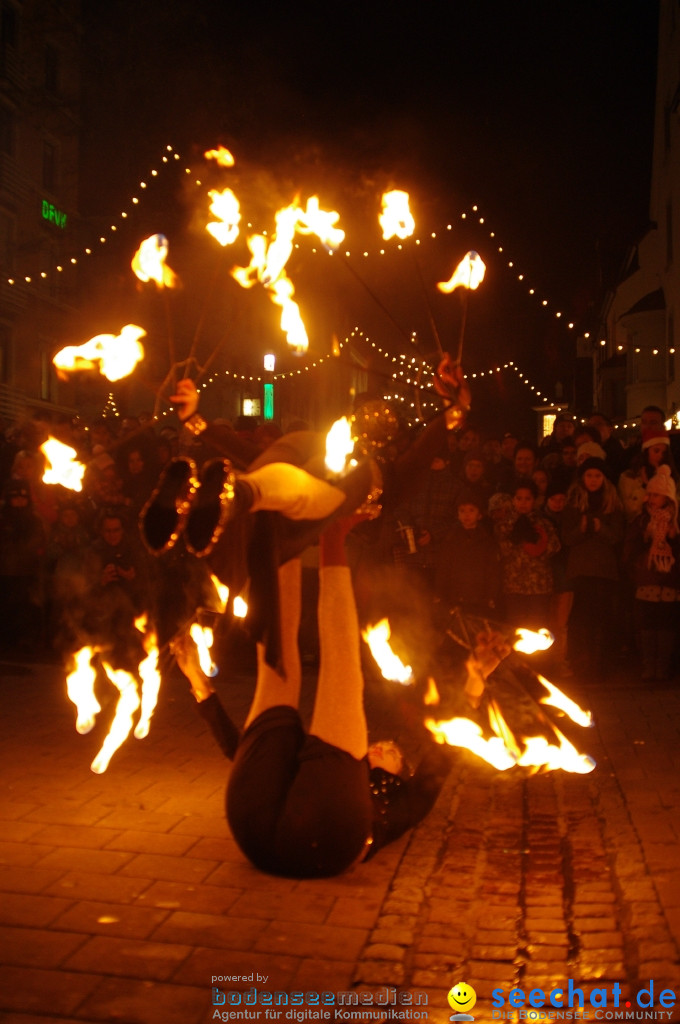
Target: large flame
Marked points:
530	641
321	223
292	325
62	466
203	638
468	274
339	444
121	726
268	261
462	732
396	217
225	207
504	749
391	666
114	355
148	263
80	689
221	156
151	681
558	699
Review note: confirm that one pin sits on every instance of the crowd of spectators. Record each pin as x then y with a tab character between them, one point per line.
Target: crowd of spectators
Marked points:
577	533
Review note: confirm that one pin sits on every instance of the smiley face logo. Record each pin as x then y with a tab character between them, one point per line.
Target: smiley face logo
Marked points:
462	997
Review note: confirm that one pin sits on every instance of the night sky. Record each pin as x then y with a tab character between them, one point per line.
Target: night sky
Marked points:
540	113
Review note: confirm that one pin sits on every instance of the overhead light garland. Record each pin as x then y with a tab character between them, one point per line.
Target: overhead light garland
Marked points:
171	157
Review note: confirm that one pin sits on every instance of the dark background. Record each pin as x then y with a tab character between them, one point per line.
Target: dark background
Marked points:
542	114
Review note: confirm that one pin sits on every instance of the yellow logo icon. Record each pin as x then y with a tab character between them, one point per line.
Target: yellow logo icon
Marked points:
461	998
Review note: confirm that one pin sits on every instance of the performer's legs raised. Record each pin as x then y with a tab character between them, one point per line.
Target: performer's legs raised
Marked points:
339	716
273	689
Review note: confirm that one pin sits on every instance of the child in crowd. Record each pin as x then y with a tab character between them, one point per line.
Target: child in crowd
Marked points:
652	556
468	568
527	542
592	530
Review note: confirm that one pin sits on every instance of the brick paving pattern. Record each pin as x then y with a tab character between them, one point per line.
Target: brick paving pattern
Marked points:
123	894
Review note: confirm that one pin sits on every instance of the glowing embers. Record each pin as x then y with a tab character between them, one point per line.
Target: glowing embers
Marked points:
114	355
61	465
136	692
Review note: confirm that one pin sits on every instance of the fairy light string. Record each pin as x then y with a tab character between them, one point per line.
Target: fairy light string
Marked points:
171	157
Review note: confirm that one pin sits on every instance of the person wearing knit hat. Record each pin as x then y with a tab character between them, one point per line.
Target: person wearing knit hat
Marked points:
653	436
589	450
655	451
652	556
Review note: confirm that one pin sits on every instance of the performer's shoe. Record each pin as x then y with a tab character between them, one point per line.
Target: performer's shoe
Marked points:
212	507
164	516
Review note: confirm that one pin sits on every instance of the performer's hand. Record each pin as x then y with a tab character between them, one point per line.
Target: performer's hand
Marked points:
185	399
449	382
186	654
489	651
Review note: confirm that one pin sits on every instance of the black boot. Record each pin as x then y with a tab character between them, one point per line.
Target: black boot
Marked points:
163	518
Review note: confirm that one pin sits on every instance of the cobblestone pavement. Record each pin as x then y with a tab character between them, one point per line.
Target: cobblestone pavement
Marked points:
123	895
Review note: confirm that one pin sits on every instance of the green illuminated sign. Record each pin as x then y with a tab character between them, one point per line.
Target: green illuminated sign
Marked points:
53	215
269	401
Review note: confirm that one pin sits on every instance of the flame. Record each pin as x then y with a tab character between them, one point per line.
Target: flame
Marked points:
115	356
282	292
462	732
221	156
322	223
222	591
62	467
540	753
225	207
268	261
121	726
396	218
468	274
530	641
377	637
203	638
148	263
151	679
432	693
240	608
281	246
80	689
339	444
558	699
504	749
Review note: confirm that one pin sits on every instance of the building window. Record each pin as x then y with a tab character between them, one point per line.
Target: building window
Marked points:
52	70
6	131
7	243
49	166
8	27
46	375
5	352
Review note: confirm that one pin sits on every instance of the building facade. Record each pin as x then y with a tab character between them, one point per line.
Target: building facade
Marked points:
39	170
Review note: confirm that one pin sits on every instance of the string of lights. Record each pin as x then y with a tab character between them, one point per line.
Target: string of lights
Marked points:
171	157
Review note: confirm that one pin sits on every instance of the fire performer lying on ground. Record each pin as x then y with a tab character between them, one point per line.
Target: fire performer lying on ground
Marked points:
311	805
